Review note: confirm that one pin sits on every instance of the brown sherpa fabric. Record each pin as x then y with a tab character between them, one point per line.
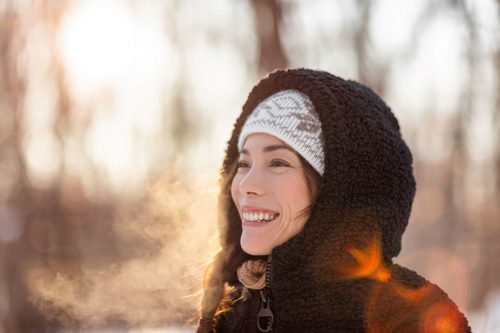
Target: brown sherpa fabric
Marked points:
337	275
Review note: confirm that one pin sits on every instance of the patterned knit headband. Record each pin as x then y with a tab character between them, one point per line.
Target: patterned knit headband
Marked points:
289	115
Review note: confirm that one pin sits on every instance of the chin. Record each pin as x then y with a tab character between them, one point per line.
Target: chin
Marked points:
254	249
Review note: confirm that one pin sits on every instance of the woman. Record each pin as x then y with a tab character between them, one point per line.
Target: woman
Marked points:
316	191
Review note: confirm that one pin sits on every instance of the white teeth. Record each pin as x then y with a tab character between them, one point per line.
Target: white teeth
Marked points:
259	216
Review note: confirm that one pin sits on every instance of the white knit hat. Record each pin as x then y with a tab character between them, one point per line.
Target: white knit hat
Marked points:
289	115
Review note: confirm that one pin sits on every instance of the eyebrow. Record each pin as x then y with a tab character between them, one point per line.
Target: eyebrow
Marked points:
268	149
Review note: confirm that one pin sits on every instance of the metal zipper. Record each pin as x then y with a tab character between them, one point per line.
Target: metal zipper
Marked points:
265	317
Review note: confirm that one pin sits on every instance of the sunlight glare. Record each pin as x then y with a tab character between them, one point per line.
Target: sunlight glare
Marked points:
43	158
95	43
118	66
110	144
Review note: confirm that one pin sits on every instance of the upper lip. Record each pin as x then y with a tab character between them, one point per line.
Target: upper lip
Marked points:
248	208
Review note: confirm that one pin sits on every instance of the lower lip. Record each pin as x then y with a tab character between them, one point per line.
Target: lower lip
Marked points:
247	223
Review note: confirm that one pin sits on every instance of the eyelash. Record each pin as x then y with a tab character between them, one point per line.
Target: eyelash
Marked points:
242	164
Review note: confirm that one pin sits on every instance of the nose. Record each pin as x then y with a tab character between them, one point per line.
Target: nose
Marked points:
252	183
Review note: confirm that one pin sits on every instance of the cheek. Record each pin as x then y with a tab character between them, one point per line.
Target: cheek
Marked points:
234	190
294	193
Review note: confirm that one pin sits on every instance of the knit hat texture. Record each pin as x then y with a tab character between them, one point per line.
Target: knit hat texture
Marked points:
289	115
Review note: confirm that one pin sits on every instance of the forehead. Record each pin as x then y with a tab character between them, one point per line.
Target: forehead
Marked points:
265	142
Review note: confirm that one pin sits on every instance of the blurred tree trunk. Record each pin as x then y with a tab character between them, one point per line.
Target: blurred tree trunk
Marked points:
361	40
492	272
20	315
50	237
180	127
496	114
268	18
454	224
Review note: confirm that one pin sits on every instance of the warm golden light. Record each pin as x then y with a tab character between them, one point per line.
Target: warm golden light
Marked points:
115	69
95	43
369	263
424	262
174	237
441	318
433	317
412	295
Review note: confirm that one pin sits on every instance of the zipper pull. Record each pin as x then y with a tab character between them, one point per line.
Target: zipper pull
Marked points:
265	317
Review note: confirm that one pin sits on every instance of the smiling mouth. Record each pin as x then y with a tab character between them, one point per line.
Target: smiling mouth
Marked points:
259	217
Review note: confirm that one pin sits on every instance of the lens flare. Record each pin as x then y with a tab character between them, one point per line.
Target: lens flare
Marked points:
369	263
441	318
395	306
438	265
412	295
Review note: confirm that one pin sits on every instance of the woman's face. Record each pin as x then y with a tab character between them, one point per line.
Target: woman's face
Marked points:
270	191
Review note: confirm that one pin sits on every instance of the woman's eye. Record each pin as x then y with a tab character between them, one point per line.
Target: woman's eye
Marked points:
274	163
242	164
279	163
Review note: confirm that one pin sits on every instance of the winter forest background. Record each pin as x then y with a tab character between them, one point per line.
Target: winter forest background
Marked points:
114	117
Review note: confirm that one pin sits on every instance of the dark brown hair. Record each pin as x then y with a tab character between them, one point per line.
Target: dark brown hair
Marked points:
313	179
